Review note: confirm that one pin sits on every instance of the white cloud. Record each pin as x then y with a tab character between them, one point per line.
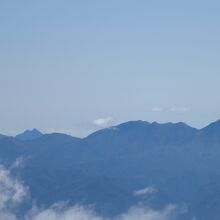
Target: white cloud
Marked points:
19	162
58	212
80	213
140	213
179	109
172	109
103	122
147	190
13	192
157	109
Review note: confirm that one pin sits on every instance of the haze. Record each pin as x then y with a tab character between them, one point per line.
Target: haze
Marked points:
66	65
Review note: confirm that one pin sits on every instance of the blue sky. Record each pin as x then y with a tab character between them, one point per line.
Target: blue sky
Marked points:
75	66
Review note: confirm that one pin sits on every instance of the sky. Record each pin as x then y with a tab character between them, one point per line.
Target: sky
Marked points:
77	66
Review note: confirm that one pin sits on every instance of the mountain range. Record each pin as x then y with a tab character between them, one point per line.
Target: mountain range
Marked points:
113	168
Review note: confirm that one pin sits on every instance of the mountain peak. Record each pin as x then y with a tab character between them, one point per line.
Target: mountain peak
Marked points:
29	135
133	123
215	123
213	128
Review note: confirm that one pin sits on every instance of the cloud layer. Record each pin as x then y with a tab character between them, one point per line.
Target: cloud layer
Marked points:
81	213
145	191
13	193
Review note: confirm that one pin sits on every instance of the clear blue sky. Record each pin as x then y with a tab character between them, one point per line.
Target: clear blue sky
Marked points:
64	64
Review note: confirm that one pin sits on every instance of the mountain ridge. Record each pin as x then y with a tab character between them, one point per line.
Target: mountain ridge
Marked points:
37	133
29	135
180	162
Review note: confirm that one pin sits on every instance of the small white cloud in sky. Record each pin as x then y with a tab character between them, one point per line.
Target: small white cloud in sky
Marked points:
103	122
145	191
138	213
172	109
157	109
179	109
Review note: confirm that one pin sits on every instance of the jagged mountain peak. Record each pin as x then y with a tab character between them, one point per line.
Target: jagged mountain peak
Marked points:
29	135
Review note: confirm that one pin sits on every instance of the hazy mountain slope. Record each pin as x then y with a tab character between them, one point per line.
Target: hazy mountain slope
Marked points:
10	150
29	135
107	167
2	136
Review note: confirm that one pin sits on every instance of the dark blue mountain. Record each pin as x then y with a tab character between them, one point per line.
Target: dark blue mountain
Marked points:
29	135
107	167
2	136
144	133
212	131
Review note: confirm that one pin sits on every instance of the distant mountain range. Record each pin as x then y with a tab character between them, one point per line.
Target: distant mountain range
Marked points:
26	135
29	135
106	168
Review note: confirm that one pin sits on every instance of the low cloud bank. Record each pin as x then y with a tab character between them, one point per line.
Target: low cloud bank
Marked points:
81	213
13	193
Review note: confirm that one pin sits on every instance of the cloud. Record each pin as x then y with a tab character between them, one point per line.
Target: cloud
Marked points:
179	109
172	109
57	212
18	163
103	122
156	109
81	213
13	193
147	190
142	213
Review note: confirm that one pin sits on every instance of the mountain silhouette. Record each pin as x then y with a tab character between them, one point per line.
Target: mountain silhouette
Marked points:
105	168
2	136
29	135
